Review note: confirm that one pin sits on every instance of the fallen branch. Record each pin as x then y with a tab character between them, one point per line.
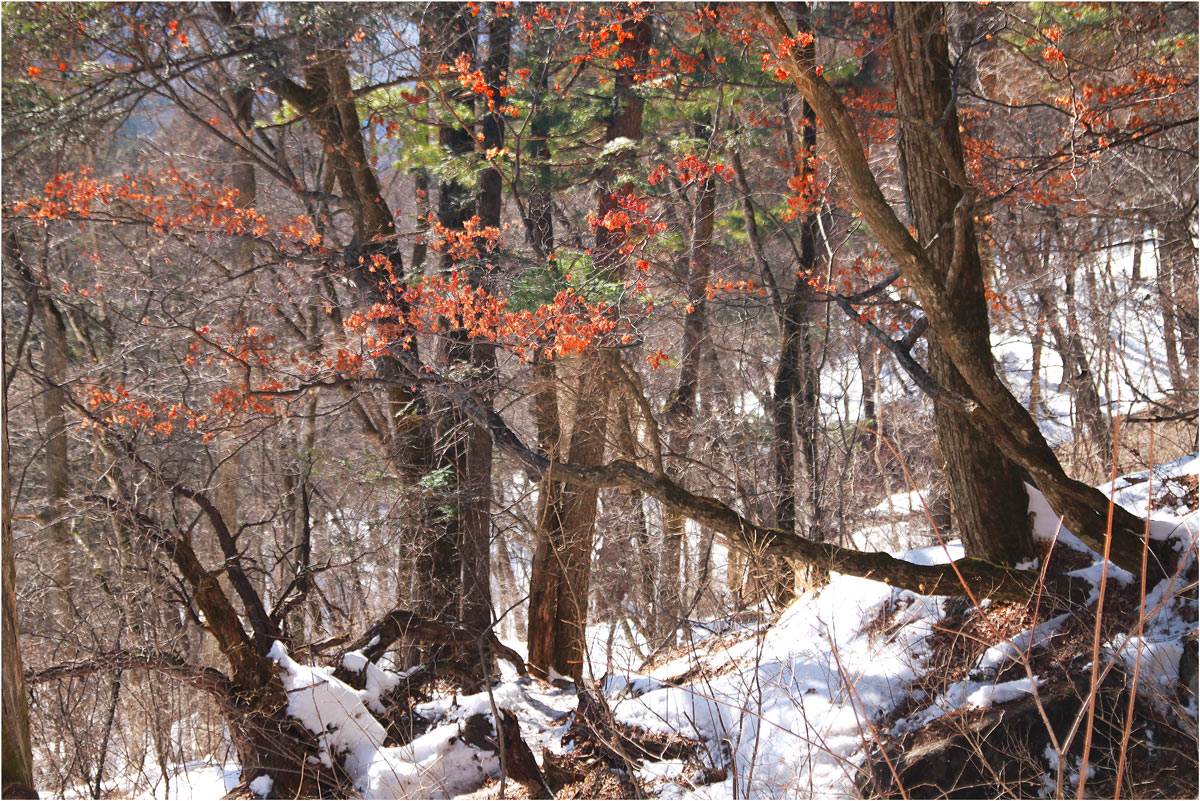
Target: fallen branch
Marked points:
984	579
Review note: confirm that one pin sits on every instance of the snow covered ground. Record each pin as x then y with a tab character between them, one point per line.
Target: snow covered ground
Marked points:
783	711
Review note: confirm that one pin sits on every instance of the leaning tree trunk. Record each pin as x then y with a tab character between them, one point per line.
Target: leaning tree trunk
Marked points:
986	490
991	407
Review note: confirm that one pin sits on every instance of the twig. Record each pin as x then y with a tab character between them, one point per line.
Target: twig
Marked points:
1141	622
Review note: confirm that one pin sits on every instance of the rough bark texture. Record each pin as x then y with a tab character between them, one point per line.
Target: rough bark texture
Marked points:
987	493
989	405
16	764
794	399
401	623
521	765
327	104
240	98
253	698
53	402
1077	375
476	481
1035	377
450	576
562	563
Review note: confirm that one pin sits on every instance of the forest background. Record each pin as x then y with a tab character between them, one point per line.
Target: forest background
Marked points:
420	329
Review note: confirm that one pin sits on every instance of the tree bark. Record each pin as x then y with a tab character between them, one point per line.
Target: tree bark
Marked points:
681	412
794	405
1039	337
987	494
268	741
240	98
558	621
451	576
1077	377
559	581
328	106
1178	261
57	465
989	404
16	764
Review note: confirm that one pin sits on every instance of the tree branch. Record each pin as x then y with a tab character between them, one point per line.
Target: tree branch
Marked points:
984	579
403	623
999	415
208	679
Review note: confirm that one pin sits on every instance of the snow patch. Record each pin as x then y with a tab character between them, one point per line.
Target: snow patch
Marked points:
261	786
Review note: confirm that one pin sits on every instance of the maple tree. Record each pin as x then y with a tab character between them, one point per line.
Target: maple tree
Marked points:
477	303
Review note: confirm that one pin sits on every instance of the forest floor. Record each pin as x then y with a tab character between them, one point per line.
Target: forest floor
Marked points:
851	691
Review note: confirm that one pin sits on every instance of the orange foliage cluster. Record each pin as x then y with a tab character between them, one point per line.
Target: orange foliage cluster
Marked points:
118	409
156	418
712	288
1135	104
629	217
167	199
474	81
691	168
809	191
603	40
874	110
558	16
468	242
565	326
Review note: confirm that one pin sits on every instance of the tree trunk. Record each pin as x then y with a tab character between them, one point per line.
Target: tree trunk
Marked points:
1077	376
1178	255
682	410
54	365
16	765
57	465
986	490
243	179
559	581
1035	377
1086	511
476	480
794	405
461	501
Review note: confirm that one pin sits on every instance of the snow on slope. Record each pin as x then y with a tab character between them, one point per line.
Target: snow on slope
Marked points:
1128	343
793	715
788	710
